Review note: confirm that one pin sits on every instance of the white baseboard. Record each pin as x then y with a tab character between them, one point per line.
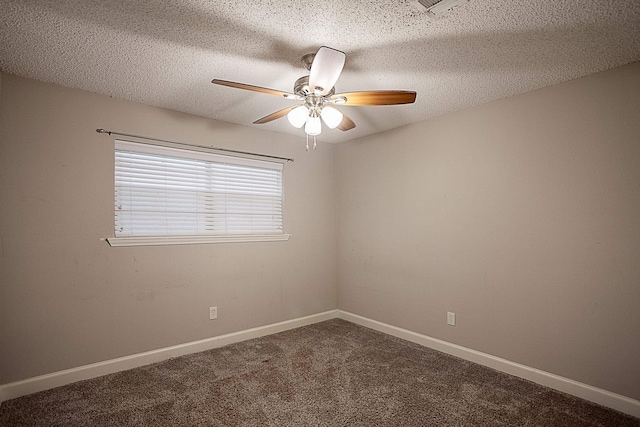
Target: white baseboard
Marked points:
575	388
56	379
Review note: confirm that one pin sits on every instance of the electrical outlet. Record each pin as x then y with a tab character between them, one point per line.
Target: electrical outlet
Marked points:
451	318
213	313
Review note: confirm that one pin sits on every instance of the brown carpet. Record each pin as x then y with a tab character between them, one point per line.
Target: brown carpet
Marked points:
332	373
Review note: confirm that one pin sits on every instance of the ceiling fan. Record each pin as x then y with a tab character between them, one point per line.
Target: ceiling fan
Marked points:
317	92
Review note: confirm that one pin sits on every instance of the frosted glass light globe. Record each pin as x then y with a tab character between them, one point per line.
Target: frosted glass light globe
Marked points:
298	116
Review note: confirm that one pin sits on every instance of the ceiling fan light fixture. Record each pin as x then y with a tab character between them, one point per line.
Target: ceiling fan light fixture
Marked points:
298	116
331	117
313	126
317	91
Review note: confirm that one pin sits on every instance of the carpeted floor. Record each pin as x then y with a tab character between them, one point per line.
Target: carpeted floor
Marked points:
332	373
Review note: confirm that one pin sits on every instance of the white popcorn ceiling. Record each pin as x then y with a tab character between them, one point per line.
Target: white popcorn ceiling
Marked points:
165	53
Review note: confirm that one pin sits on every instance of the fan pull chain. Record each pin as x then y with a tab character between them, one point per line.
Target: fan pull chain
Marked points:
315	144
307	142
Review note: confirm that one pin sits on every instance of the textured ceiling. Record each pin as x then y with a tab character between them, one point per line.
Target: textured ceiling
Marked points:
165	53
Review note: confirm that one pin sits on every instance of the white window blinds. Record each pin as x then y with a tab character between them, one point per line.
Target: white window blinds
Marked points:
161	191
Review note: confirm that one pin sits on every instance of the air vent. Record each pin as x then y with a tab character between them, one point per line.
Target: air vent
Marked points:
438	7
429	3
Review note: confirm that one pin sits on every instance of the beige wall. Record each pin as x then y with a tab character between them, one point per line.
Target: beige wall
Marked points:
68	299
521	216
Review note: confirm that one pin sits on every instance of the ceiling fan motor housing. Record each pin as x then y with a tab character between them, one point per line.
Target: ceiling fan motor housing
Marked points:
301	87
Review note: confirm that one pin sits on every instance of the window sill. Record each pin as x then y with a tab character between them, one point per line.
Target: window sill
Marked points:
194	240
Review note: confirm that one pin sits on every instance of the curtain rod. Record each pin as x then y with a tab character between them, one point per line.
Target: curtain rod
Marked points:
210	147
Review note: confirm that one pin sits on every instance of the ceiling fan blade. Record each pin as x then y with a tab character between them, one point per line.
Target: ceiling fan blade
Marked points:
254	88
325	69
346	123
273	116
373	97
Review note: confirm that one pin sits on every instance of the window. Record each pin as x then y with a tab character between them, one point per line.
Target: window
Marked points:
175	196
